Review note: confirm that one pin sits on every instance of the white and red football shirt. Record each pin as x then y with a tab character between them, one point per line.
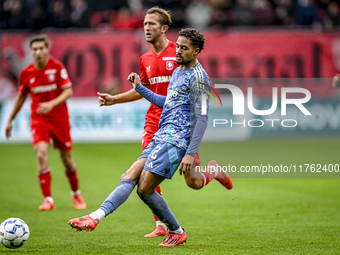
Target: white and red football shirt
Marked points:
156	71
45	85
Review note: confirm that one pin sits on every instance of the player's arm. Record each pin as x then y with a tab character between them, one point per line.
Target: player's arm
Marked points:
336	81
152	97
18	103
198	131
129	96
46	107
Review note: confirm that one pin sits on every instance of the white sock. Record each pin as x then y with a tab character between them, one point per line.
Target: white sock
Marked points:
158	222
178	231
75	193
99	214
49	199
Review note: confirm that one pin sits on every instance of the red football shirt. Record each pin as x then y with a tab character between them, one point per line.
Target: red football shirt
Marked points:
156	71
45	85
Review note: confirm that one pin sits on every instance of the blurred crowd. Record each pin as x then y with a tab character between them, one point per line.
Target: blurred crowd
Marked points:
200	14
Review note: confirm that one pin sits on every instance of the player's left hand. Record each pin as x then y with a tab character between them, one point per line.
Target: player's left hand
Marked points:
44	108
186	164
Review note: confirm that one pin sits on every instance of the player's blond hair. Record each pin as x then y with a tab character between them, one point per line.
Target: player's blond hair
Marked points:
39	38
164	16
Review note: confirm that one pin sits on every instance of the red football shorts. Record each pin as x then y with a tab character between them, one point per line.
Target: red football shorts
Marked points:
146	139
60	134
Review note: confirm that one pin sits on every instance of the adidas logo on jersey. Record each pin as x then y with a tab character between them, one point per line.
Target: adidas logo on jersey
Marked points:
149	165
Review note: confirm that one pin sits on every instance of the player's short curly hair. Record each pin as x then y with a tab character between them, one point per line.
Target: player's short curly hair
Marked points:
39	38
164	16
197	39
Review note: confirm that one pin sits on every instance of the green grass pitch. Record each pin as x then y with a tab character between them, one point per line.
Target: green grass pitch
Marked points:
258	216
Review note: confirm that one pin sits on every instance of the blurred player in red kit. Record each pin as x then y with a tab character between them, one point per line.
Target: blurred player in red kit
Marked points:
156	67
47	81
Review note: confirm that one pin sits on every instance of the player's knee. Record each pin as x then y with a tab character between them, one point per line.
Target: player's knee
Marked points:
123	176
131	175
140	192
194	184
192	181
128	175
42	156
68	164
143	192
67	160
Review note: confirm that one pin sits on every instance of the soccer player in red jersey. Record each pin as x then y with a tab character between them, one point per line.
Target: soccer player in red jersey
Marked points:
47	81
156	67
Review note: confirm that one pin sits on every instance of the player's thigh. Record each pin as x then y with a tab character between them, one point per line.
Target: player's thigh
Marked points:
148	182
61	137
193	173
41	147
133	173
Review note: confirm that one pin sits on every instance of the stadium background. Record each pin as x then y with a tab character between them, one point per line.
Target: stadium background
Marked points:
267	43
254	43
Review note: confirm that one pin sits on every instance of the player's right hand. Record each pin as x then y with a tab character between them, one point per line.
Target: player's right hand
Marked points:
134	79
8	130
105	99
186	164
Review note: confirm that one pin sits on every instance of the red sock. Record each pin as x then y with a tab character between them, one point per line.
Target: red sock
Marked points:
45	181
73	178
158	190
207	177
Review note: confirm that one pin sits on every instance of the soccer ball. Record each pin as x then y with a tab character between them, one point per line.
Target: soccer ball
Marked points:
14	233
